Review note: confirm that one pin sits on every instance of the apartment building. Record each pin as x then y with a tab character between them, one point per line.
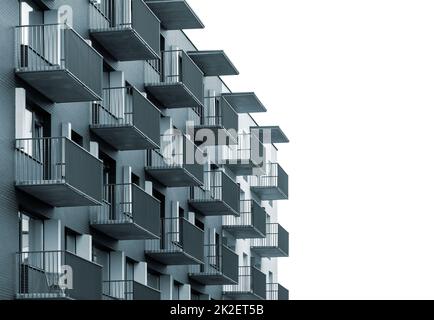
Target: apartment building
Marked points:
129	170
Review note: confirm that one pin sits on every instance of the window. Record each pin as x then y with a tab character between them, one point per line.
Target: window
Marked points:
129	270
135	179
153	279
78	139
102	257
176	290
31	233
36	125
70	241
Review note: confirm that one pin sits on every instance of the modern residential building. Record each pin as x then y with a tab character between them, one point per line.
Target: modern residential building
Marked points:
129	170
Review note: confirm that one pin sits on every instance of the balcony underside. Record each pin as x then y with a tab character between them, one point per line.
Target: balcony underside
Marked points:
242	167
276	133
244	232
179	258
226	139
58	194
42	296
244	102
269	193
124	231
174	95
269	252
59	85
213	208
173	177
124	138
175	15
124	44
213	63
212	279
247	295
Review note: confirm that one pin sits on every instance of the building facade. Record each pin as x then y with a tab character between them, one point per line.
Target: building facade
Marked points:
129	170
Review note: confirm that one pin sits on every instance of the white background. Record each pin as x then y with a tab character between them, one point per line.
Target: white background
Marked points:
352	85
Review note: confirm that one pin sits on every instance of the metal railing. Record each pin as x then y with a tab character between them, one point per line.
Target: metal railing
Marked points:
175	66
119	290
249	148
212	189
271	238
246	215
218	112
250	281
127	203
42	275
213	261
272	291
39	274
178	235
49	47
117	205
274	176
126	14
115	109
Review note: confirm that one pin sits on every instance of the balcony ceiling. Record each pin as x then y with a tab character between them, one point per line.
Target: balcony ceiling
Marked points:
175	14
174	95
212	279
124	138
59	195
125	231
213	208
173	177
124	44
269	252
180	258
59	86
244	102
277	135
244	232
213	63
269	193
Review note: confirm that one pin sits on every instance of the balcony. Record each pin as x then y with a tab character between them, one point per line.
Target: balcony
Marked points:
272	185
174	81
128	30
128	290
58	172
219	197
219	123
270	134
56	61
127	213
244	102
251	223
274	245
251	285
175	14
247	155
220	267
41	275
213	63
126	120
181	243
176	164
277	292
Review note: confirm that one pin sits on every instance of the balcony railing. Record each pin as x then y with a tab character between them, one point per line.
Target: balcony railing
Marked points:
250	224
219	196
273	185
58	62
248	154
57	275
219	120
175	80
128	290
127	29
58	171
275	244
181	243
126	119
177	164
220	267
251	285
276	292
127	213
